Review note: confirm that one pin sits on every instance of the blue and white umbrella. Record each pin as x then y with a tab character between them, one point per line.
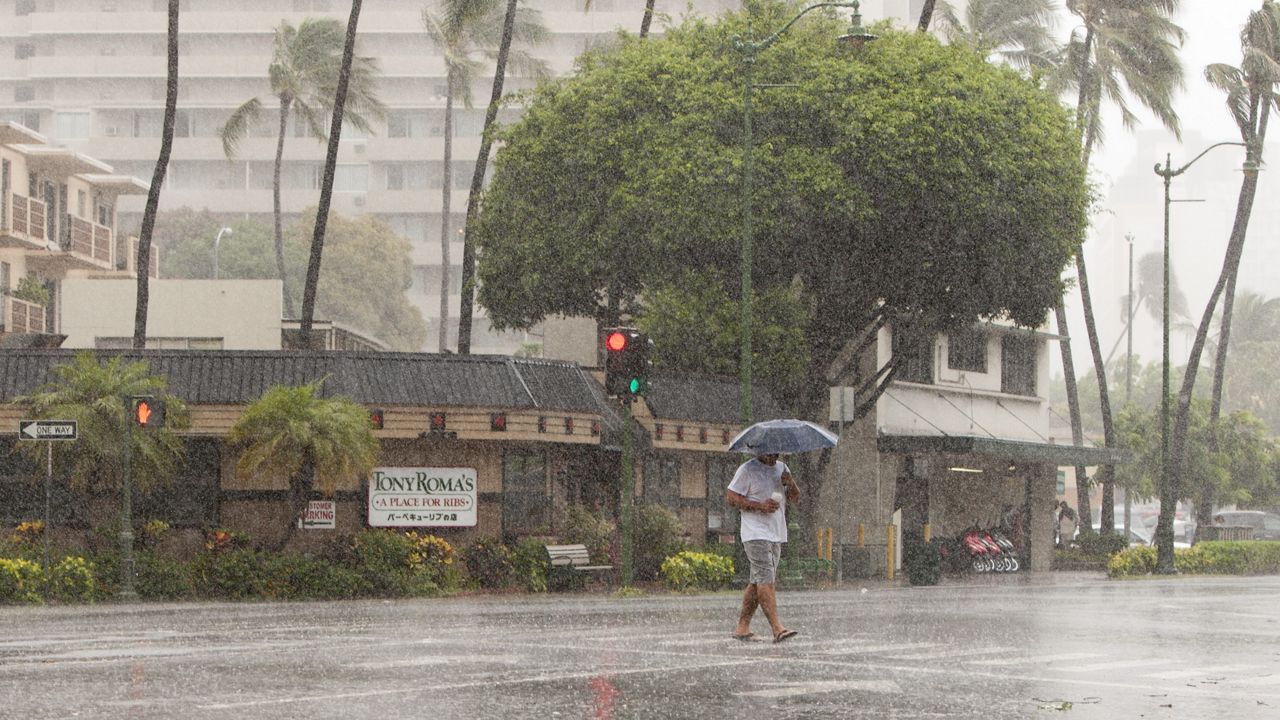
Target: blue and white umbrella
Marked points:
783	436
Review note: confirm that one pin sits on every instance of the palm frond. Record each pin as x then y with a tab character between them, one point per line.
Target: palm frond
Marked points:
1230	80
238	124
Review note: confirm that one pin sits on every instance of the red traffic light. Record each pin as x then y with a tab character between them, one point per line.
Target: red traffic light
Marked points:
616	341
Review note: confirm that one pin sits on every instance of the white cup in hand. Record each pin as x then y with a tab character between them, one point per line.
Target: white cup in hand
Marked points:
776	497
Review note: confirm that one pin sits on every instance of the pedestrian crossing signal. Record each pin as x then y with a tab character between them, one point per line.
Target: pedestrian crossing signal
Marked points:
148	412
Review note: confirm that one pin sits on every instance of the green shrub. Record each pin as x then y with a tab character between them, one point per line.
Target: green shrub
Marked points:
1094	544
303	577
531	566
234	574
579	525
1210	557
161	578
657	537
20	581
489	563
688	570
72	579
394	564
793	569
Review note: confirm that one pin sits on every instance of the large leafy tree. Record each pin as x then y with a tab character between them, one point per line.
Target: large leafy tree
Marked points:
95	394
312	441
306	63
1121	49
143	259
907	180
467	33
365	284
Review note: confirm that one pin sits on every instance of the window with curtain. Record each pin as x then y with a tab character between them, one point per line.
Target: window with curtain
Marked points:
917	354
967	350
1018	365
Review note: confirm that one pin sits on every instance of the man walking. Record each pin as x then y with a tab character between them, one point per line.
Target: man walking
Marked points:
760	490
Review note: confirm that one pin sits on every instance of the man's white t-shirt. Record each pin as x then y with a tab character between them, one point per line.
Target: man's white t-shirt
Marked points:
758	482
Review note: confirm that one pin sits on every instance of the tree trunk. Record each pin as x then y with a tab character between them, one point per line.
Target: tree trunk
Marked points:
446	194
142	264
477	182
1208	492
926	15
278	223
648	18
1073	408
326	186
1177	445
1106	473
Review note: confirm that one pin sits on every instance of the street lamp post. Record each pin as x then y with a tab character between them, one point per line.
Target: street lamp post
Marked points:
216	241
1168	492
856	36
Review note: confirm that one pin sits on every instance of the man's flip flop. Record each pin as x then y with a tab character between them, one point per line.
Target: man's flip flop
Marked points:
784	635
745	638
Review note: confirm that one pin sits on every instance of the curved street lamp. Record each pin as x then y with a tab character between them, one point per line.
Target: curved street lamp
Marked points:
1168	492
856	36
216	241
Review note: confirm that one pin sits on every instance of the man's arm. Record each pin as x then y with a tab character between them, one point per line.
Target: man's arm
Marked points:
792	489
742	503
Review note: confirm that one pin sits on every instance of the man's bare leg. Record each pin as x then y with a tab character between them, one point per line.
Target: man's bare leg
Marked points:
768	601
750	601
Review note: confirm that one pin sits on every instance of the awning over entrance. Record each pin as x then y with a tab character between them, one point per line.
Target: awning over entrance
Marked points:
1017	450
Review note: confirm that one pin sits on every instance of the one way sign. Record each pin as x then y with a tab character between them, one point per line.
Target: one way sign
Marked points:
47	429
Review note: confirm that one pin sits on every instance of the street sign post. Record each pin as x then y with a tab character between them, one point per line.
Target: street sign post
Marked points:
47	429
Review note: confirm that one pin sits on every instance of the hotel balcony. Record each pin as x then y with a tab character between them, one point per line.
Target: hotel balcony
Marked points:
20	316
82	245
22	222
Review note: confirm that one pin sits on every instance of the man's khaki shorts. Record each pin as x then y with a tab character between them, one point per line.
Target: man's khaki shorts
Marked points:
763	556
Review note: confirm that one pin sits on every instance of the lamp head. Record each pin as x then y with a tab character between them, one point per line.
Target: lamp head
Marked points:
857	35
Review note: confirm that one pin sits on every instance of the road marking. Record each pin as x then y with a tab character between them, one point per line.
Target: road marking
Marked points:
824	686
957	653
1036	659
485	682
852	648
1199	671
1115	665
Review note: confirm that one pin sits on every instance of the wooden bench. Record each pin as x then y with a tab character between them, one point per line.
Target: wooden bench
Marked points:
575	558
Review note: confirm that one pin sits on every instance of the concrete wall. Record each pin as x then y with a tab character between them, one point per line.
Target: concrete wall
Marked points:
242	314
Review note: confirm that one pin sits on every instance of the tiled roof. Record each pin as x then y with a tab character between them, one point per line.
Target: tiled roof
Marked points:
706	398
236	377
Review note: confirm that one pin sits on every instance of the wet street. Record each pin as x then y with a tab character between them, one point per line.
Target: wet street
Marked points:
1048	645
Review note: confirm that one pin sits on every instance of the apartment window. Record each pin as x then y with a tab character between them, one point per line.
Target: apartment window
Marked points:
312	5
967	350
407	176
160	343
24	7
1018	365
351	178
24	93
662	480
917	358
81	201
71	125
395	176
721	517
22	51
6	277
526	505
407	123
181	124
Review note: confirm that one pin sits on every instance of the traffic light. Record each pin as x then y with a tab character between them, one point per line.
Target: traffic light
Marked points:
627	363
148	412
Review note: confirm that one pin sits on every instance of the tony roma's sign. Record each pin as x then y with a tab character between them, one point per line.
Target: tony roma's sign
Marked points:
422	497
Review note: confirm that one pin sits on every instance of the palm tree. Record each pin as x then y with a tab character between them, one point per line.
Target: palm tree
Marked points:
366	106
1018	31
293	433
143	263
306	63
465	31
96	396
1250	91
1122	48
926	14
501	61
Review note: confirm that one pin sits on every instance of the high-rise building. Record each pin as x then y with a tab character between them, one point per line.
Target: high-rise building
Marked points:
90	75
